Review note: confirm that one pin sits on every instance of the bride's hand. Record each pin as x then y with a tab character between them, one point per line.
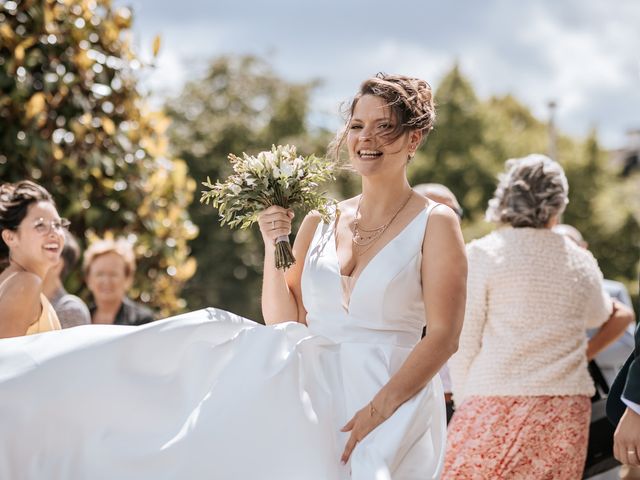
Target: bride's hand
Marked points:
274	222
362	423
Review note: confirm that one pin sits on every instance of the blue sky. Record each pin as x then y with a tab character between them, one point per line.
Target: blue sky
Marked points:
583	54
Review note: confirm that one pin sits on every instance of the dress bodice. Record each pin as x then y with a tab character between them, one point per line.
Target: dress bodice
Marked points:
385	304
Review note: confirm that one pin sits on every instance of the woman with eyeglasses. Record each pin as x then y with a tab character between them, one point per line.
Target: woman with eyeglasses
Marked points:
32	238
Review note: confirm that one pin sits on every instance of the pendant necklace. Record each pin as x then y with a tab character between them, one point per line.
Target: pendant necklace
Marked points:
364	238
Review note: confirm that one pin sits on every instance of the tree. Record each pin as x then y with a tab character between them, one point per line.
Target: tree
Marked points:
72	119
601	208
473	139
240	105
455	153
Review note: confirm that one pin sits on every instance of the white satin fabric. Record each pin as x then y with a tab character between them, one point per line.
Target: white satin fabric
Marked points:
211	395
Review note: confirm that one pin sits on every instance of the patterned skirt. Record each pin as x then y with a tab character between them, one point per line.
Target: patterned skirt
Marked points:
518	438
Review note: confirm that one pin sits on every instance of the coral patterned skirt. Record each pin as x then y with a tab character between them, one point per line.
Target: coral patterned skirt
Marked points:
518	437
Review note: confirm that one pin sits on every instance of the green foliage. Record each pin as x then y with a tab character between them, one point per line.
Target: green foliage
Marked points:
601	208
455	153
240	105
277	177
471	143
72	119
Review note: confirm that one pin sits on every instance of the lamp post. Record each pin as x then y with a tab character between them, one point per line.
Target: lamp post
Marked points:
553	150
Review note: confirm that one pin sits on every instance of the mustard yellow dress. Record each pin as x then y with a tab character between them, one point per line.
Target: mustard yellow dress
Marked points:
47	321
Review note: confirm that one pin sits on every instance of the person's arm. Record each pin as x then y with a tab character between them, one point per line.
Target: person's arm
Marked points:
611	330
626	438
20	304
72	312
281	292
444	275
475	319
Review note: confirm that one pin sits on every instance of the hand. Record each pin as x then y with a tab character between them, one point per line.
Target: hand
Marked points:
274	222
626	439
363	422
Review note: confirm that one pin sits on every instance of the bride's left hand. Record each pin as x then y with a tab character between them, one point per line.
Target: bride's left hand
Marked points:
362	423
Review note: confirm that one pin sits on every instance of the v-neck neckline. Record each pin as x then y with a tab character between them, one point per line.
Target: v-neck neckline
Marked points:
355	281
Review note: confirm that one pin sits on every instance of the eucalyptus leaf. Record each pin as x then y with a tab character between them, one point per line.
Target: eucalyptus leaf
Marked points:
274	177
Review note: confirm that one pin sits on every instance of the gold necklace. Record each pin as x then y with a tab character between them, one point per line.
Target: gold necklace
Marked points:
364	238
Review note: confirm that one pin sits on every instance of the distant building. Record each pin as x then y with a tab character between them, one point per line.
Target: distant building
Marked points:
627	159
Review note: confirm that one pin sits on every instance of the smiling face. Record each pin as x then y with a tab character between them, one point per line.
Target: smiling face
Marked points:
372	149
108	278
39	239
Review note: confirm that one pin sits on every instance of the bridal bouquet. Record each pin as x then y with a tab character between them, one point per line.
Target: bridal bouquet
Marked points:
276	177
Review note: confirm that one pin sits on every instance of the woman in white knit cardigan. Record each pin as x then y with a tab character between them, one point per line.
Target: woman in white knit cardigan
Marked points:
520	377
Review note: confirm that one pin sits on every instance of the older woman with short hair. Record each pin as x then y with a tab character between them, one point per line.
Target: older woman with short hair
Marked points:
109	267
520	376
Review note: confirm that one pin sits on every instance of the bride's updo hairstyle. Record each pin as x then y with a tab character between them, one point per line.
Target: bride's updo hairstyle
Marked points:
531	192
15	200
410	101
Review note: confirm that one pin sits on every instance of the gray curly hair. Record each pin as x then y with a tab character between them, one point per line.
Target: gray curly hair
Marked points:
531	192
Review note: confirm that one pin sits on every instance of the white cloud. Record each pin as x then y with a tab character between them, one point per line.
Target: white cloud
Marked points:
584	55
589	66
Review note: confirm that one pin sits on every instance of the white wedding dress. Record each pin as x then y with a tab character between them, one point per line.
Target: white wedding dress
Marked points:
211	395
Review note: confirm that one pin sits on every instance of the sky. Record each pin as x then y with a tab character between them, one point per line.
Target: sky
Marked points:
582	54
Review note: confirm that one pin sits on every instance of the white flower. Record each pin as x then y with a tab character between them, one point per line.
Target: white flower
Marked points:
250	181
255	164
275	172
235	189
286	169
288	152
268	159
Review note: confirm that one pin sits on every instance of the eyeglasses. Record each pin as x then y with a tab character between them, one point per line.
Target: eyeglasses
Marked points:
43	227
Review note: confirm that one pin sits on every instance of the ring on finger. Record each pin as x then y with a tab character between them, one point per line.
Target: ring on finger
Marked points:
273	225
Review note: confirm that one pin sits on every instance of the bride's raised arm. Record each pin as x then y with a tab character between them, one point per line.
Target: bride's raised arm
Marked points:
281	292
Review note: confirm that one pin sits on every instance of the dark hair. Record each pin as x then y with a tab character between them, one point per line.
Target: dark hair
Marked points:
409	99
70	254
15	200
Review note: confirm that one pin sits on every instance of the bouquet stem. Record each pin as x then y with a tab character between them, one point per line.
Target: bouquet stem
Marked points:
284	254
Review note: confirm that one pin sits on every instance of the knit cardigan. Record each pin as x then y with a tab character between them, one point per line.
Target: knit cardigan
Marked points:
531	294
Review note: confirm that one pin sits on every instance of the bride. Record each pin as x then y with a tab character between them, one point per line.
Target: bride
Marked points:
338	385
